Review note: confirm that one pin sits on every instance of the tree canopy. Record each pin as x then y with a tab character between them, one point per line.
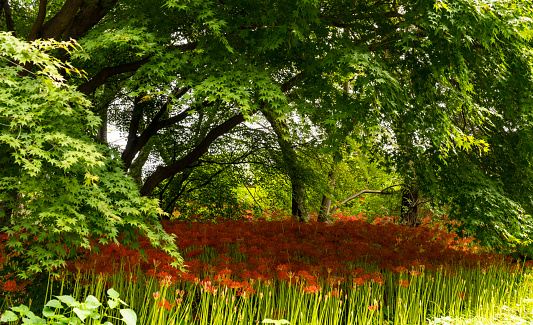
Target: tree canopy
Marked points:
440	90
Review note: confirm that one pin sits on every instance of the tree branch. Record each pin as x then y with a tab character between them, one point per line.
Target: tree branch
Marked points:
162	173
9	19
57	25
289	84
34	31
383	191
136	143
101	77
105	73
88	16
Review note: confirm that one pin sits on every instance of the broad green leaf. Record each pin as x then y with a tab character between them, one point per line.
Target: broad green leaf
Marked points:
54	304
82	313
8	316
129	316
69	300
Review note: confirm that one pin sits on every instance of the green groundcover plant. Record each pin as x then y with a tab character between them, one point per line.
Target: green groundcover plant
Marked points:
74	313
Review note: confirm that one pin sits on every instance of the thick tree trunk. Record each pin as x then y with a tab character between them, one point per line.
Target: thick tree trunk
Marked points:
136	167
299	206
9	19
293	169
409	208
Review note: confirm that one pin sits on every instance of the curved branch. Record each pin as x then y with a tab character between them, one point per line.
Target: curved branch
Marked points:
163	172
105	73
101	77
383	191
136	143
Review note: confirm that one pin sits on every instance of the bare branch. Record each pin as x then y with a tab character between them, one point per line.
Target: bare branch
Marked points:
383	191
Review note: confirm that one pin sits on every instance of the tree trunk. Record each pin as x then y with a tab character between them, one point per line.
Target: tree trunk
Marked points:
102	130
325	206
409	209
293	169
136	167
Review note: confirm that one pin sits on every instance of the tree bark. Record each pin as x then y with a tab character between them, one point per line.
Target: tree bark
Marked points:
88	15
293	169
325	206
56	26
409	208
138	164
34	32
9	19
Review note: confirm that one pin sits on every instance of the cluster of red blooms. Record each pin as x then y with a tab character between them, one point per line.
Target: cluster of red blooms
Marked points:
235	254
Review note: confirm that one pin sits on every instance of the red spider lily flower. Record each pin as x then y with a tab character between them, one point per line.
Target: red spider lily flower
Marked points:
400	269
10	286
358	282
336	293
311	289
166	281
165	303
404	284
378	280
462	295
156	295
374	306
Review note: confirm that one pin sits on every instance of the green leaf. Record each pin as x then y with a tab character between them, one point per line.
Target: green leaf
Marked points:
22	309
91	302
54	304
8	316
113	293
48	312
129	316
82	313
113	303
68	300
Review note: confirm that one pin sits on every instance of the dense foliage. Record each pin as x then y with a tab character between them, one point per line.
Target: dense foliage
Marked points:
60	186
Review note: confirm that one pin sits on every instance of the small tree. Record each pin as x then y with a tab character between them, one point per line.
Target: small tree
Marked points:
58	186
